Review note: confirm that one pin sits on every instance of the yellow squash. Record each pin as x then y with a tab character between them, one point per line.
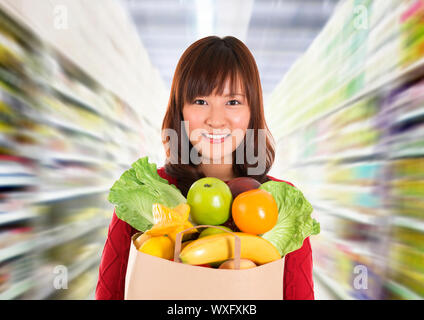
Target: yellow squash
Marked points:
160	246
140	240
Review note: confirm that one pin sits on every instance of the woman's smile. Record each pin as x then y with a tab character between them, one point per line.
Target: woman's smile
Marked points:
215	138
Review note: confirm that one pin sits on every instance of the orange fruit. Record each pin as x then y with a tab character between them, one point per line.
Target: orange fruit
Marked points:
255	211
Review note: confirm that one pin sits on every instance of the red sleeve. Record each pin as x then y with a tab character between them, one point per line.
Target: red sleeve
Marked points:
113	265
298	280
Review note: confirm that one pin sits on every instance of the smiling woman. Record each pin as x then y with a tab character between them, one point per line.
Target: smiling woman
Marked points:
216	125
214	107
217	95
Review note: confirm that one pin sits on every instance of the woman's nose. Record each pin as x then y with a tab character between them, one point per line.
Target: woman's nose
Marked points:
216	118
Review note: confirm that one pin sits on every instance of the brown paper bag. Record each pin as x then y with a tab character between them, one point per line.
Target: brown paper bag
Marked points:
152	278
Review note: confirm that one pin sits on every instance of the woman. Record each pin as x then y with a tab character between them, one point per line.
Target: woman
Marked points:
215	101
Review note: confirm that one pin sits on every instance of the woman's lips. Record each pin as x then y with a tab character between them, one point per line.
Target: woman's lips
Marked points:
216	138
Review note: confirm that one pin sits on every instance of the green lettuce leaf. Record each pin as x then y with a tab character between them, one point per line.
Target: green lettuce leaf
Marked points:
137	190
294	222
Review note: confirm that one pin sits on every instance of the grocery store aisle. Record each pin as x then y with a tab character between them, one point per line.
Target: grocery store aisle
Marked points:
343	87
322	292
353	143
65	137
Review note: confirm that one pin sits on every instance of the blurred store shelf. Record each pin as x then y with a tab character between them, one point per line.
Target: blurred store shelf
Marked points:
353	142
403	291
17	289
65	194
14	250
333	286
64	140
74	271
15	216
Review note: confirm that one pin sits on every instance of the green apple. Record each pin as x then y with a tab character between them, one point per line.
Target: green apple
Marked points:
211	231
210	201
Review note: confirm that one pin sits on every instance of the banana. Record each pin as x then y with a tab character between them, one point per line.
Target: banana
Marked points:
184	244
220	247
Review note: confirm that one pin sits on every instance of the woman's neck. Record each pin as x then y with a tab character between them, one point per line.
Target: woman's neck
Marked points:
220	171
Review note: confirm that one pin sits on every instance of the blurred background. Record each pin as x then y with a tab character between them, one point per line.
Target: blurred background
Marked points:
84	87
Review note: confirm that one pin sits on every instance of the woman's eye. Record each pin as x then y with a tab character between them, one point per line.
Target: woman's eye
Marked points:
233	102
200	102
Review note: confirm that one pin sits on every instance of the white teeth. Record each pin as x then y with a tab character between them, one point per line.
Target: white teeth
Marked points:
215	136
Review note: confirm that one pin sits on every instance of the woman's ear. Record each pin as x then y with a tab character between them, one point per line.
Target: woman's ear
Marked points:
165	145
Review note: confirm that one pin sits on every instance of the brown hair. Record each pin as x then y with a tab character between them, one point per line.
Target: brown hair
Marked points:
203	68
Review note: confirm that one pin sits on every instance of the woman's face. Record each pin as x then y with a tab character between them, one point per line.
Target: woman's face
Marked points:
217	124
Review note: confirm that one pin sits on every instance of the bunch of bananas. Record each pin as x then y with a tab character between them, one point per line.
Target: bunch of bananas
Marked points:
220	247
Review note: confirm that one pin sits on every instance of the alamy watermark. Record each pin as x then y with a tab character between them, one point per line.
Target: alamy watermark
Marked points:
60	281
360	20
60	17
249	147
360	282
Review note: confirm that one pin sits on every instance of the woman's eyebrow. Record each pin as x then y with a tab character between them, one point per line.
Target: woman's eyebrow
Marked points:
234	94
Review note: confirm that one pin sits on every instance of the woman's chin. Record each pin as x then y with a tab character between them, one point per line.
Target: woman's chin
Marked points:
206	159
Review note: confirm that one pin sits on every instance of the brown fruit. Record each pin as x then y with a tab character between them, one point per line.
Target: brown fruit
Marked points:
231	224
244	264
242	184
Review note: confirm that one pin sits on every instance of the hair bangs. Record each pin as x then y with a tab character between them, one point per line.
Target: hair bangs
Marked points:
210	72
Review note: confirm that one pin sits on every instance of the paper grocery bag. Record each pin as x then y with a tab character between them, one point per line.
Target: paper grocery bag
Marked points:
152	278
